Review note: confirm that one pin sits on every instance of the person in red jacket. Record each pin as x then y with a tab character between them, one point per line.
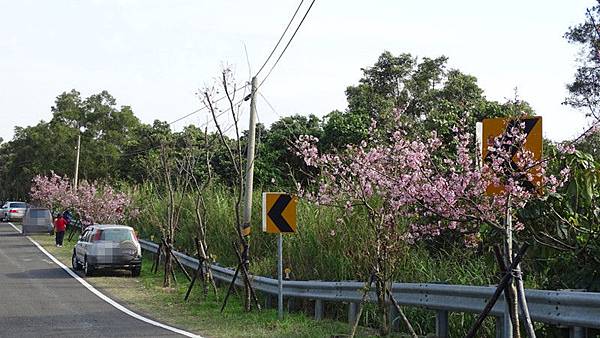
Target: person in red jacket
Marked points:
60	225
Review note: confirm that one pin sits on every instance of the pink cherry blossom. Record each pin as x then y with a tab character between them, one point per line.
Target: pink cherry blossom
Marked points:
404	180
93	203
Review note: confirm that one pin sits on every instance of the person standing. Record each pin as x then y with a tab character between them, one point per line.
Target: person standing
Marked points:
60	225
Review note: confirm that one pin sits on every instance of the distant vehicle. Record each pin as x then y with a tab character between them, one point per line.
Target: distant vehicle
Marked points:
107	246
37	220
13	211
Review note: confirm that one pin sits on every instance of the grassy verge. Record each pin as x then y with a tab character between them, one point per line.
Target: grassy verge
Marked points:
146	295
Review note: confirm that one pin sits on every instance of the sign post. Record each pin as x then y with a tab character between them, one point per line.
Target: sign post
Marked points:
487	131
280	277
279	217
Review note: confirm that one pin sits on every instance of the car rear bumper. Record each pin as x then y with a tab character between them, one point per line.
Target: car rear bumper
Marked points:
114	262
41	229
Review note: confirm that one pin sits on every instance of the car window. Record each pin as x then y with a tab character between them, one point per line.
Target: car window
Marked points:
39	213
18	205
116	235
91	233
85	235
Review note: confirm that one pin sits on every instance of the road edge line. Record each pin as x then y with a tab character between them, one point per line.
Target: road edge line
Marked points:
105	298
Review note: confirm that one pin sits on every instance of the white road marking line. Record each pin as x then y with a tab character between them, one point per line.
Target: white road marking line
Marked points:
106	298
14	227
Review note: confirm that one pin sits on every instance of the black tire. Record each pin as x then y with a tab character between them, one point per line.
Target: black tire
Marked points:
75	263
88	269
136	271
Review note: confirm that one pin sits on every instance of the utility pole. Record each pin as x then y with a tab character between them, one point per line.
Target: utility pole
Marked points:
245	226
77	159
250	162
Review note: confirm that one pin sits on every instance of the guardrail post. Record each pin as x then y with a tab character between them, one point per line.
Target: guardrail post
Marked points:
268	301
319	309
352	311
500	327
507	328
577	332
441	323
394	318
291	304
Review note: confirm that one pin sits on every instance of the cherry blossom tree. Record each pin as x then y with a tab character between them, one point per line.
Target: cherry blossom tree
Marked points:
413	188
92	202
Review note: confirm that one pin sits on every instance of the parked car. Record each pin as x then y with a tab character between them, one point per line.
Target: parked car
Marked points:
107	246
37	220
13	211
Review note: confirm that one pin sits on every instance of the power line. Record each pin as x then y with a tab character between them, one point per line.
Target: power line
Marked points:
186	116
280	38
141	151
282	119
202	108
288	44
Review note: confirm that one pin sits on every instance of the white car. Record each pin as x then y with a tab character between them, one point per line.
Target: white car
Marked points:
12	211
37	220
107	246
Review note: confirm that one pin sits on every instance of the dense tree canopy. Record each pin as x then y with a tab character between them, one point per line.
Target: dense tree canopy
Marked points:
117	147
585	88
432	98
51	146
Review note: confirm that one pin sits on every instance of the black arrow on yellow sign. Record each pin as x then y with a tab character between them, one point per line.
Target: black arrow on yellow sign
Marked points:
279	213
275	214
498	127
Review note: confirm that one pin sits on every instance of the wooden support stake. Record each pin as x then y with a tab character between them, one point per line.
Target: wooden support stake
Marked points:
187	275
156	263
246	277
366	290
492	301
507	295
187	294
231	286
404	318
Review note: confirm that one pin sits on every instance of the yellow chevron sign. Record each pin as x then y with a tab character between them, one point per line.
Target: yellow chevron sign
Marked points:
493	128
279	212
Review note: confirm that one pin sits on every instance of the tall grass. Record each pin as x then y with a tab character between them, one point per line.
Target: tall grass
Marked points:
327	246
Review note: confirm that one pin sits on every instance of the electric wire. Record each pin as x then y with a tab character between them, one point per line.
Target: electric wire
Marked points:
145	150
281	117
202	108
280	38
288	43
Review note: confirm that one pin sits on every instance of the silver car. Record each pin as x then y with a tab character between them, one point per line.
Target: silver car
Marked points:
13	211
107	246
37	220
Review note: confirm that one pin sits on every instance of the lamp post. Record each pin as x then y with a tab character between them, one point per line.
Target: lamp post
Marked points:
81	130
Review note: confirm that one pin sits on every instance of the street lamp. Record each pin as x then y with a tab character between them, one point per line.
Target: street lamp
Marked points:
81	130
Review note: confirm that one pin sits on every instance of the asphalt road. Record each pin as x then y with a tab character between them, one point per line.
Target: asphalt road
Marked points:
39	299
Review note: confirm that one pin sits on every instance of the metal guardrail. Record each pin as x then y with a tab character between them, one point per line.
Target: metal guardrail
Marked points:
566	308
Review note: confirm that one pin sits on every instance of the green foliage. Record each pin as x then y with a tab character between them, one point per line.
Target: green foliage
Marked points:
430	97
329	245
585	88
567	226
51	145
277	164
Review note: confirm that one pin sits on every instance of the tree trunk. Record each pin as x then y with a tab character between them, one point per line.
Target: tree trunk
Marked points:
381	284
168	267
508	256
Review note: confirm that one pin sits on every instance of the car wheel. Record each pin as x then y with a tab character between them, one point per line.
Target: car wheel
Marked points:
75	263
88	269
136	271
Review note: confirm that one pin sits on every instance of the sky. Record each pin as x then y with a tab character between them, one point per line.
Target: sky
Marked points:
156	55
